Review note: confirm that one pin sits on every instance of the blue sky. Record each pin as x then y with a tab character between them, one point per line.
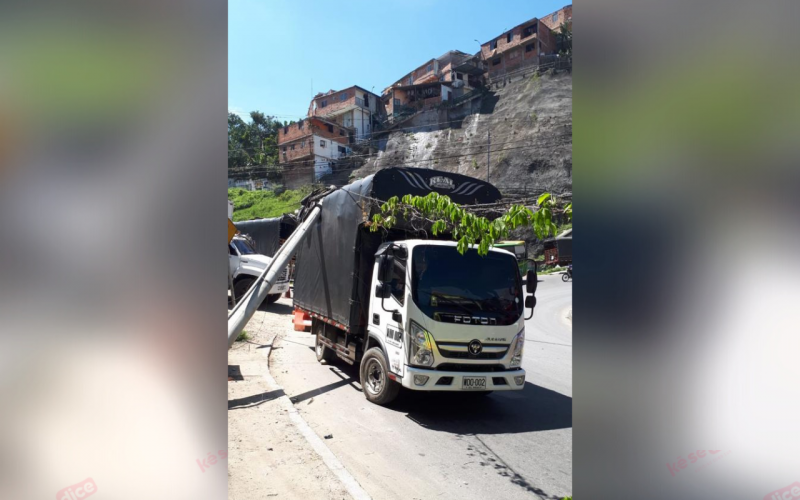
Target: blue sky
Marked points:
276	47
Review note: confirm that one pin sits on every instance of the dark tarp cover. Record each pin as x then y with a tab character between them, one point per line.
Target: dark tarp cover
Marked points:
267	233
334	262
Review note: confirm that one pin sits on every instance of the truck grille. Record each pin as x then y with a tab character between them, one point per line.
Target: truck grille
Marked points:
284	276
466	355
463	367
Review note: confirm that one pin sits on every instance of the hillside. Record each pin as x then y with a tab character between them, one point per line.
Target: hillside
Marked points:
530	120
264	204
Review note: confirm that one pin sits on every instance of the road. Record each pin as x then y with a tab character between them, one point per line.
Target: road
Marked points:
448	446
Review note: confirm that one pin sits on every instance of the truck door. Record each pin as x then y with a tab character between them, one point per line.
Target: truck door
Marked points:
233	259
391	312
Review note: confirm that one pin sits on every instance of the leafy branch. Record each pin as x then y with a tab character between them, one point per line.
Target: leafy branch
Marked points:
467	228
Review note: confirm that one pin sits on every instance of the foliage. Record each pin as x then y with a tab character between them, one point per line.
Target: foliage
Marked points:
564	40
243	336
249	205
464	226
254	143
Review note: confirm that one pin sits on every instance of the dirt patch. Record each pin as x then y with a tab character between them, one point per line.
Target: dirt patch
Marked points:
267	455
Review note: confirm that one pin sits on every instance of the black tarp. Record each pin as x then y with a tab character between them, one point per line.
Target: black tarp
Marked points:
267	233
334	262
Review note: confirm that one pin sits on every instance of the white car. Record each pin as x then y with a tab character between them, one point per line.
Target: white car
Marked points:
246	265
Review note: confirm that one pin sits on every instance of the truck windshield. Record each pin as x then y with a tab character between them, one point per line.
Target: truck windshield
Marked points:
243	247
470	289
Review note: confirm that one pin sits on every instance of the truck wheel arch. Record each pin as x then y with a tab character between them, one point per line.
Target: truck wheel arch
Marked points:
374	340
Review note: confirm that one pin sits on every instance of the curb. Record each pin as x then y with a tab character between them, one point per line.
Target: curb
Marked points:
350	483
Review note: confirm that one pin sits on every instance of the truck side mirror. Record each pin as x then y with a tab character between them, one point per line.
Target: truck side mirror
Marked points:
530	303
385	268
531	281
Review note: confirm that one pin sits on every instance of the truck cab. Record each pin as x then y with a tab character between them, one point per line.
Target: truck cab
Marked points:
246	265
444	321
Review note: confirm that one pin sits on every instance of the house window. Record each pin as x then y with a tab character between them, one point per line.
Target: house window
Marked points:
513	54
493	45
459	76
555	17
291	147
530	30
497	61
323	103
396	102
366	100
342	150
284	149
302	144
343	97
509	37
530	47
285	130
341	132
430	68
411	80
330	128
300	124
321	143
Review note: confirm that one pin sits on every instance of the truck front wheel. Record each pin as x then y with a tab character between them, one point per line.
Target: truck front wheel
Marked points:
272	298
378	387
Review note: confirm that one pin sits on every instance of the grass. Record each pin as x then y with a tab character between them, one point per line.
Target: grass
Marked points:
264	204
243	336
552	270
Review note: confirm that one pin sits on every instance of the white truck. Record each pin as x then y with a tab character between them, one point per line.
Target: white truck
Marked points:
246	265
413	311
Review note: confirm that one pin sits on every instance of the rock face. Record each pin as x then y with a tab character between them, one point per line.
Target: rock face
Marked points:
530	121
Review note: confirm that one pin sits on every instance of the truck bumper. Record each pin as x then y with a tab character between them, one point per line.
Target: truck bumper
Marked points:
454	381
279	288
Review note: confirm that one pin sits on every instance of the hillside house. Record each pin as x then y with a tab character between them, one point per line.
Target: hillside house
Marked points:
524	45
353	107
559	17
437	80
311	147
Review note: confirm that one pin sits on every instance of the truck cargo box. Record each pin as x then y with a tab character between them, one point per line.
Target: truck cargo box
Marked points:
334	263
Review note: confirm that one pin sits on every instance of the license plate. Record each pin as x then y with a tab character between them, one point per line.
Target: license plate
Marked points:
473	383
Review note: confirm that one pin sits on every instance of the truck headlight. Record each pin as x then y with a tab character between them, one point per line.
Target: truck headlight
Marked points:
420	352
519	345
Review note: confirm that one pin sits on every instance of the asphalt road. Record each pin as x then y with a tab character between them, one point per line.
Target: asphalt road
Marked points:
449	446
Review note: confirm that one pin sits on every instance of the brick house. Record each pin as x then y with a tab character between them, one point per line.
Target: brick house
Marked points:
353	107
554	20
524	45
434	82
312	146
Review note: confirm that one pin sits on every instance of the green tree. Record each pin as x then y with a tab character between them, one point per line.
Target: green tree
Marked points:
464	225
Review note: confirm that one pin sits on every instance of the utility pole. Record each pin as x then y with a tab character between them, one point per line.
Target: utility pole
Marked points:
488	154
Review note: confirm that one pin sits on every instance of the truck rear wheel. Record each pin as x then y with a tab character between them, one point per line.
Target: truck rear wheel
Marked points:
378	387
324	353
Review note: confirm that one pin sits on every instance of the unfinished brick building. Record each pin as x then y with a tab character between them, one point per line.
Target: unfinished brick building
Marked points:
353	107
311	148
525	45
437	80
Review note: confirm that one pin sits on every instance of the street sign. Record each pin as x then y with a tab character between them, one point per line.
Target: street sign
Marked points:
231	230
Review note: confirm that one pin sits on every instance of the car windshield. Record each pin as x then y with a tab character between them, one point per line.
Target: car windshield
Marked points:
455	288
243	247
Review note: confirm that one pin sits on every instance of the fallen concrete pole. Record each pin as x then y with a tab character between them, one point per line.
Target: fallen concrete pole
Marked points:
244	310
